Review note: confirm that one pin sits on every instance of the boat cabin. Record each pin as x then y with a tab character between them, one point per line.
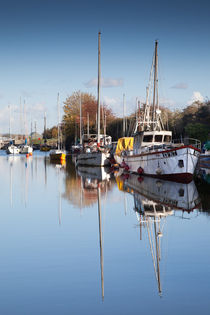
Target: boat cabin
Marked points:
91	139
149	139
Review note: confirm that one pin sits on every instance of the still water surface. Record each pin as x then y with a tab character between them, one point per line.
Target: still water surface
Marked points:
87	242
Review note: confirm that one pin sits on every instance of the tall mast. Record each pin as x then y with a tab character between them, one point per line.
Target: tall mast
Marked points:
45	138
123	115
9	121
58	122
155	87
99	88
80	121
88	125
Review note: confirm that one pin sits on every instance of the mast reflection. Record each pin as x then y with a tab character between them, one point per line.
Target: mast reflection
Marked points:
154	201
94	182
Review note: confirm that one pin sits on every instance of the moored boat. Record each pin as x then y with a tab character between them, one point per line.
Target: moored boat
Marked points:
58	154
12	149
94	154
154	153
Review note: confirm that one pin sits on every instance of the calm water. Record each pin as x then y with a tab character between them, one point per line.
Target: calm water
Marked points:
72	244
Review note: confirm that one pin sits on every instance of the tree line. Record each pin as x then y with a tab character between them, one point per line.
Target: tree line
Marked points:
193	121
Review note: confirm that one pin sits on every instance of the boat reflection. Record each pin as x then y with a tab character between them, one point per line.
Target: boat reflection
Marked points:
94	181
165	194
154	201
81	185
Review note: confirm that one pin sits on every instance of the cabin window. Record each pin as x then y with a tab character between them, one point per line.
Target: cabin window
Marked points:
148	138
159	208
167	138
148	208
181	192
158	138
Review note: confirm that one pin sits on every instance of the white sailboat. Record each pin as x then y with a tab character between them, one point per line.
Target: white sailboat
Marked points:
26	149
12	149
58	154
154	153
98	156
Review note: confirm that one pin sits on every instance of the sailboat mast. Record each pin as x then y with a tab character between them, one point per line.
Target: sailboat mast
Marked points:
99	88
123	115
88	125
155	86
58	122
9	122
80	121
45	138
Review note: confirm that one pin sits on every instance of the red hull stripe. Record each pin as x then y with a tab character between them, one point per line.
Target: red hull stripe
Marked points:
165	151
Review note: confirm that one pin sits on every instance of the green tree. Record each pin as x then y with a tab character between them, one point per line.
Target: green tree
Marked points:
197	131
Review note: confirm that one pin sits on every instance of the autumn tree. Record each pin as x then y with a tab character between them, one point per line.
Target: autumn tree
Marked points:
50	133
71	118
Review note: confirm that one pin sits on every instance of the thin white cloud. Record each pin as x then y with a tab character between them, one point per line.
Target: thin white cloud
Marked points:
196	97
167	102
105	82
38	107
180	86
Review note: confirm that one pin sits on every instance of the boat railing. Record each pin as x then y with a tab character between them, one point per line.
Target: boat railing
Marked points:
188	141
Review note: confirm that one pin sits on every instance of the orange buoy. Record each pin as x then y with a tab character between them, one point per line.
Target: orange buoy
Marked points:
30	153
27	155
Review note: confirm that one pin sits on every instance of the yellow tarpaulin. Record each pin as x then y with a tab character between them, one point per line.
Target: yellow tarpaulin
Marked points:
123	144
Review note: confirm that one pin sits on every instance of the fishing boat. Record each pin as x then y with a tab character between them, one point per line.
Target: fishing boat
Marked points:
58	154
96	155
154	153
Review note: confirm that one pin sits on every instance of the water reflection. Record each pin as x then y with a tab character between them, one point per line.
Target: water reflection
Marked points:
94	182
81	185
69	247
154	201
157	195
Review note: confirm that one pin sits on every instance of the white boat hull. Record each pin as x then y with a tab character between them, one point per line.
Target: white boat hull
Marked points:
26	149
174	164
12	149
93	159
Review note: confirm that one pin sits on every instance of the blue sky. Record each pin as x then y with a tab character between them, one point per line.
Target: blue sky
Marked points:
51	46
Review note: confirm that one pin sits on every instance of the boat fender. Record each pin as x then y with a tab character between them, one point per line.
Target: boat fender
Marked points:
126	168
140	179
140	170
158	171
123	164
